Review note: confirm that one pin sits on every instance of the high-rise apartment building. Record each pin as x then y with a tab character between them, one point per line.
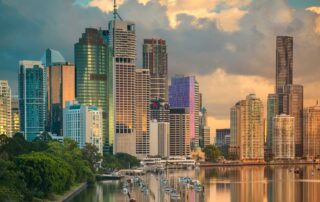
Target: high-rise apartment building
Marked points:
205	131
5	109
179	132
284	62
184	93
15	115
31	98
311	138
246	128
272	111
142	96
159	138
94	78
155	58
159	110
122	38
83	124
283	145
60	89
291	101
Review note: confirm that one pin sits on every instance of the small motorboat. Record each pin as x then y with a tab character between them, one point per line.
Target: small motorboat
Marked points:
167	189
174	195
125	190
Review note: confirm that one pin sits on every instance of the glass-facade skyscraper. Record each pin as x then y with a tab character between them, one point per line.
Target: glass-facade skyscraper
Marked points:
184	93
31	98
155	58
60	89
94	78
272	111
284	62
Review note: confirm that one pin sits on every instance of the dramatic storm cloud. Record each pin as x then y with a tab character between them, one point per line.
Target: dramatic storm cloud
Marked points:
228	44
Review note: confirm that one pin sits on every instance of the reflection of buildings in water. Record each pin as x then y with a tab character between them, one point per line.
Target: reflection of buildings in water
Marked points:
311	190
283	184
247	184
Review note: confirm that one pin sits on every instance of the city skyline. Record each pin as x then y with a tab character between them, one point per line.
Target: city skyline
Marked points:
206	62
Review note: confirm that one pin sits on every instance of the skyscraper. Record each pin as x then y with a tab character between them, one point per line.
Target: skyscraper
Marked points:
311	139
5	109
184	93
51	56
142	96
292	104
159	138
246	127
60	89
159	110
83	124
15	114
272	111
283	146
155	58
94	78
179	132
204	130
31	98
122	38
284	62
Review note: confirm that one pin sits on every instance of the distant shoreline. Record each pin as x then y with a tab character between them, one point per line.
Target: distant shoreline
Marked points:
208	164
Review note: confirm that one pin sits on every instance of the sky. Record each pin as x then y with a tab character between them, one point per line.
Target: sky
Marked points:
228	44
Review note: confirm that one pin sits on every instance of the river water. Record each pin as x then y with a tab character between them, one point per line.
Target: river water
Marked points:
222	184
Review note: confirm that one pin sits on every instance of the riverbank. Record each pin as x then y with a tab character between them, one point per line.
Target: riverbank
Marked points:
71	193
209	164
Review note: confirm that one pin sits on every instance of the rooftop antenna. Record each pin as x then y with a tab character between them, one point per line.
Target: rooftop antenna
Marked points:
115	14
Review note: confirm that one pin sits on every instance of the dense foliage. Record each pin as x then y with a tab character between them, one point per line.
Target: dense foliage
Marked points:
212	153
119	161
43	167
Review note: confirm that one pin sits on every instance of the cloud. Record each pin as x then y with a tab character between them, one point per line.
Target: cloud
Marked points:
316	10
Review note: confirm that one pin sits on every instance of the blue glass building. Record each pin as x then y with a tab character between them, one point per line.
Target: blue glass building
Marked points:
31	98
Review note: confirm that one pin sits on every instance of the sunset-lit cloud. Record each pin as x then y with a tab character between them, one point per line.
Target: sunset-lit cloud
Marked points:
316	10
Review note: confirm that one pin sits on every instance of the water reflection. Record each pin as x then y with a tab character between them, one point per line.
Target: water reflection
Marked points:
235	184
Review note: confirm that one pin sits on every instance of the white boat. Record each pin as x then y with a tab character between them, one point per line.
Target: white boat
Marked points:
125	190
198	188
167	189
175	195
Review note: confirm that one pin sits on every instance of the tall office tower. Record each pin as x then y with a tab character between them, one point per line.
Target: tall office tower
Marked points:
155	58
221	136
122	38
184	93
5	109
142	96
159	138
60	89
159	110
292	104
246	127
51	56
94	79
15	115
311	139
203	127
205	131
272	111
83	124
283	146
31	98
284	62
179	132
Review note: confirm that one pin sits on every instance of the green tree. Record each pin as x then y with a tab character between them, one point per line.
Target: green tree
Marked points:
91	153
110	162
212	153
12	186
126	160
45	174
70	152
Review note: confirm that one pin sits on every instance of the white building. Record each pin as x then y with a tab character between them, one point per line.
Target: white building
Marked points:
159	138
283	146
83	124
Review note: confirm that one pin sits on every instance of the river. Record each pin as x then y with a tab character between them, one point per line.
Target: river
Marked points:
222	184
